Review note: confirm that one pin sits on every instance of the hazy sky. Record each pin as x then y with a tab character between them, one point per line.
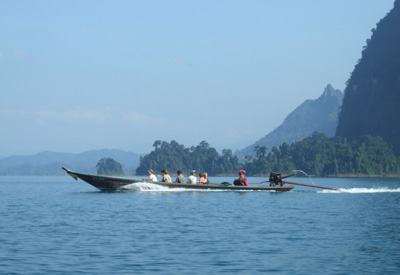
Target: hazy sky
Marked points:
83	75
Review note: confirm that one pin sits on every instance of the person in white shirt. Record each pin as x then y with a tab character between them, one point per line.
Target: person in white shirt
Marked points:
152	175
192	178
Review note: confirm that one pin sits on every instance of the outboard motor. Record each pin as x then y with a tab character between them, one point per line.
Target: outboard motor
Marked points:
276	178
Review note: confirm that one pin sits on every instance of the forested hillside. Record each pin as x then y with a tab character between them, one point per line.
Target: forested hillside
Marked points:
372	95
322	156
319	115
317	155
174	156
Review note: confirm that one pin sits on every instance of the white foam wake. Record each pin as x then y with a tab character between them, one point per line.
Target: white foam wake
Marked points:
363	190
145	186
151	187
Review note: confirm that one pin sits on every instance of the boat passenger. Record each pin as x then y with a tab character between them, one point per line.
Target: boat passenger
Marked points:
241	181
165	176
201	178
180	178
206	178
152	175
192	178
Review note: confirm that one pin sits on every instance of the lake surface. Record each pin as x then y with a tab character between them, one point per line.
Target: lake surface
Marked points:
55	225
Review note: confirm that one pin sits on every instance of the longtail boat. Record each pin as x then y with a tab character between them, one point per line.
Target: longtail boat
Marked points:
109	183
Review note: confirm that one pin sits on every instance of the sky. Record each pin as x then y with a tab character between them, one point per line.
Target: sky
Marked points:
86	75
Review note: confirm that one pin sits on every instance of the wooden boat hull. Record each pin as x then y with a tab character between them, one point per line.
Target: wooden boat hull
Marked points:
108	183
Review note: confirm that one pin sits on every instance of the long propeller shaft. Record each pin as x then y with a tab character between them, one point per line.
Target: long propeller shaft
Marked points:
308	185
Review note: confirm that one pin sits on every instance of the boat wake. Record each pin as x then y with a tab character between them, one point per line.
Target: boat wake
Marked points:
362	190
150	187
145	186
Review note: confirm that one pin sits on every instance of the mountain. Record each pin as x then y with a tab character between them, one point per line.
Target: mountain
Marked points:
50	163
312	115
372	95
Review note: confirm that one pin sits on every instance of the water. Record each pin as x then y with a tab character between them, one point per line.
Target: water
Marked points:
305	174
54	225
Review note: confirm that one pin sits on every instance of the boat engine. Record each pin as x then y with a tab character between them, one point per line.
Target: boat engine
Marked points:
276	178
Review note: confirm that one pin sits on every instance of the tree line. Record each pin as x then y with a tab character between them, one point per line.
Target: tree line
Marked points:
317	155
174	156
322	156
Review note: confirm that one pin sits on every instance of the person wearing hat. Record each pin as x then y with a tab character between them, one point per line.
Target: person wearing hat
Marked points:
192	178
241	181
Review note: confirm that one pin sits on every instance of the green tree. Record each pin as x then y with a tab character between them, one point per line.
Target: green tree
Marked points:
322	156
108	166
260	151
157	143
317	155
174	156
